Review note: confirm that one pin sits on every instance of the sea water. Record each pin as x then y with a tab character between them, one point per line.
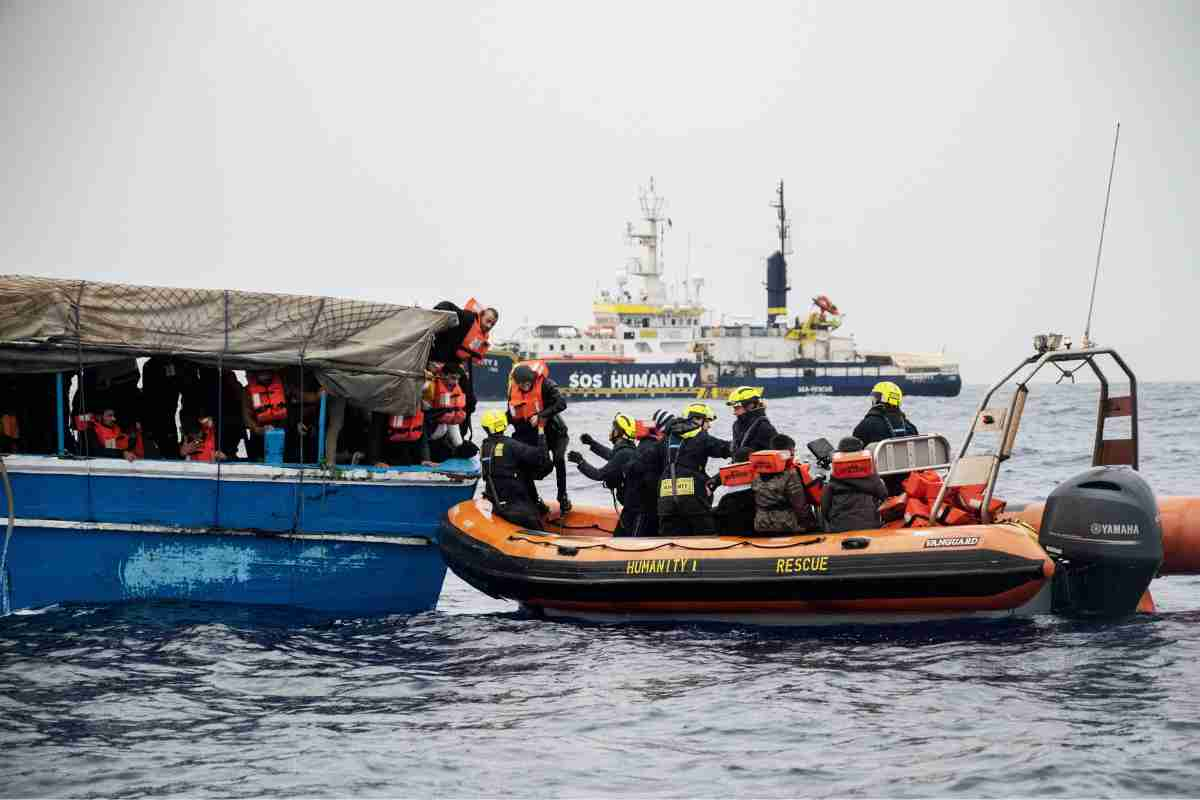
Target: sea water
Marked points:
474	699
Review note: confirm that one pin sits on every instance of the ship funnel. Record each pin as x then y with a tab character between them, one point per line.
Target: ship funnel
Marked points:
777	287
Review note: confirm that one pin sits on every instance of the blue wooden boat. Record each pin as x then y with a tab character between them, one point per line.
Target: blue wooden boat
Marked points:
336	540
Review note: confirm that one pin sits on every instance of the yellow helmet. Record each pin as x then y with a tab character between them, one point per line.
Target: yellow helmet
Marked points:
699	410
887	393
494	421
743	394
626	425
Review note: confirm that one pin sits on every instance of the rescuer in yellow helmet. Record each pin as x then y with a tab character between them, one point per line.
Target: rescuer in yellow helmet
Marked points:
885	420
751	428
508	467
614	474
679	463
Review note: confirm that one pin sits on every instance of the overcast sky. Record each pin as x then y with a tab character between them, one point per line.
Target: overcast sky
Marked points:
945	163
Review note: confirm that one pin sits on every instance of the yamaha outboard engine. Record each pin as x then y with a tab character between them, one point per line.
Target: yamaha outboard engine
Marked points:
1102	529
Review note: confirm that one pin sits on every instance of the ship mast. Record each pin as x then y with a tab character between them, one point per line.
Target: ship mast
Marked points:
777	285
648	267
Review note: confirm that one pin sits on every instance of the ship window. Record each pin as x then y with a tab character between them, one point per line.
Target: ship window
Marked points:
628	334
645	322
821	372
642	347
593	348
581	347
810	373
551	347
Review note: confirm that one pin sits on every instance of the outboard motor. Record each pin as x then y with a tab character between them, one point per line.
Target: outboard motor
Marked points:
1102	529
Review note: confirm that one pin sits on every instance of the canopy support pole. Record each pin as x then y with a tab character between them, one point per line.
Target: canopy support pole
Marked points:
321	432
58	413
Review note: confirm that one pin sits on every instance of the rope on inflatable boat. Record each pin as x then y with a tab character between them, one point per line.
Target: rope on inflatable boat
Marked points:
606	546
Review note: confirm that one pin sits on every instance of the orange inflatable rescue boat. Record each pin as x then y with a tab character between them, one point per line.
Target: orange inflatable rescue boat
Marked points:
948	548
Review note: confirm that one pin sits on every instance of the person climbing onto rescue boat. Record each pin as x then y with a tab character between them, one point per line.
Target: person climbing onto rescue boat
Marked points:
535	406
506	465
751	428
850	500
684	501
620	458
466	343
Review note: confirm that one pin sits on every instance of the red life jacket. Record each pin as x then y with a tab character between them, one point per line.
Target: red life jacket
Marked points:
524	405
853	465
110	436
475	344
269	403
811	487
406	429
452	399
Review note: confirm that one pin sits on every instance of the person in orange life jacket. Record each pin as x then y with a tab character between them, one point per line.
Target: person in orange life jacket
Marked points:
534	406
444	405
852	504
216	393
781	497
684	501
200	442
735	510
274	400
465	343
106	439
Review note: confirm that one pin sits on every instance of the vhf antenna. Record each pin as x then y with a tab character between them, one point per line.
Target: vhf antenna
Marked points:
1087	342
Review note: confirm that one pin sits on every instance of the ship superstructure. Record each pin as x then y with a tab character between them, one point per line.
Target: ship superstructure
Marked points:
649	338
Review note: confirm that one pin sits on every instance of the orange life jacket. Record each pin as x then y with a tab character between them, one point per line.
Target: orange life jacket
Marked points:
644	429
269	403
110	436
853	465
10	427
769	462
740	474
475	344
811	487
208	447
453	399
406	429
524	405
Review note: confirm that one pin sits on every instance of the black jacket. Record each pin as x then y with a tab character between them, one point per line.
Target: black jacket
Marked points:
620	458
852	504
445	344
752	429
506	465
735	512
681	463
883	422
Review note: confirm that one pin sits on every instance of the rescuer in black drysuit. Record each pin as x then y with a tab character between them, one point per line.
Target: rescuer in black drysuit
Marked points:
684	502
622	474
507	467
751	428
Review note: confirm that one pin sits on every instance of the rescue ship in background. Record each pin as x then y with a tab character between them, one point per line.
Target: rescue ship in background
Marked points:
647	341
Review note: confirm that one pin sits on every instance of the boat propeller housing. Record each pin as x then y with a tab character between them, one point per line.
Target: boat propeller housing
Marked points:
1102	528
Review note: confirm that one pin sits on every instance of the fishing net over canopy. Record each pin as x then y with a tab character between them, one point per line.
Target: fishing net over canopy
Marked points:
373	354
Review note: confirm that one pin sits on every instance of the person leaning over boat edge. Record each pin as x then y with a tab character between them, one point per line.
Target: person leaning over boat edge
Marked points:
684	501
620	458
534	407
467	342
852	504
505	465
751	428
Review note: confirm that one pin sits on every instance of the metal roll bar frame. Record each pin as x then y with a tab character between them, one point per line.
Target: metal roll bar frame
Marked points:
1104	451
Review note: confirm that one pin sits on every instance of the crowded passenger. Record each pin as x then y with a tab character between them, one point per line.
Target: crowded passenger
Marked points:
444	405
165	381
508	468
751	428
465	343
217	393
281	400
105	438
200	442
852	503
780	497
684	504
735	510
535	406
618	461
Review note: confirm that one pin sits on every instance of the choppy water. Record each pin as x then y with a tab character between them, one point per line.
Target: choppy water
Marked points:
474	700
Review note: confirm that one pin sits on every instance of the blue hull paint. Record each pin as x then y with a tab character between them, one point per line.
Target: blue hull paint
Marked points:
594	380
106	531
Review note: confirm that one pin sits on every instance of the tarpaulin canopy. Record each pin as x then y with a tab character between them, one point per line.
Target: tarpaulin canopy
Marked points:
373	354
